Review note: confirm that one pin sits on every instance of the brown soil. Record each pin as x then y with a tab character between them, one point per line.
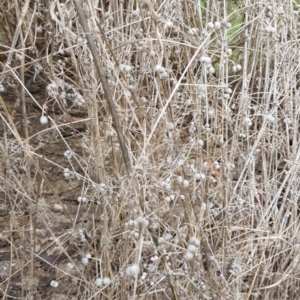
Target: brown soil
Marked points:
29	259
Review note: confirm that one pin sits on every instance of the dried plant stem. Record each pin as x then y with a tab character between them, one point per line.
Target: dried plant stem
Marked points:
105	87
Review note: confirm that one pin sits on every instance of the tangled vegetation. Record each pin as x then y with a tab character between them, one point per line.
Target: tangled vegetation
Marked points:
149	149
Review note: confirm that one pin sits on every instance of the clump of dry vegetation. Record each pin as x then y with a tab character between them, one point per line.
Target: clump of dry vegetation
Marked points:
149	149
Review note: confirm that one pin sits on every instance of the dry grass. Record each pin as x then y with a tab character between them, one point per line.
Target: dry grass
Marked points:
207	101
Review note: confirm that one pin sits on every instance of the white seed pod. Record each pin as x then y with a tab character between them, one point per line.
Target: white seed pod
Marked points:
39	29
168	199
98	282
247	121
179	180
287	121
192	248
135	13
54	283
159	69
270	118
205	60
192	31
168	186
70	266
106	281
122	67
170	126
164	75
188	255
211	70
169	24
270	29
43	120
198	176
132	270
128	68
210	25
185	183
217	25
238	67
228	25
152	53
85	261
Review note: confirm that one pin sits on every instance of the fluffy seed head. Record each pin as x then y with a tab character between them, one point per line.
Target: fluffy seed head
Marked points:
132	270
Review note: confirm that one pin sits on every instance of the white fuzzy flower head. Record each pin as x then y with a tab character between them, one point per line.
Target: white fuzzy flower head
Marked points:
67	172
205	60
238	67
141	220
43	120
98	282
54	283
270	29
270	118
164	75
247	122
228	25
211	70
200	143
217	25
106	281
179	180
287	121
81	199
193	240
85	261
152	53
168	24
210	25
192	248
70	266
192	31
68	154
159	69
188	255
133	270
185	183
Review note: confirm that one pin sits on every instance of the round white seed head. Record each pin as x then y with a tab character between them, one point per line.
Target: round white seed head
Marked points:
169	24
270	118
179	180
247	121
85	261
43	120
70	265
98	282
106	281
133	270
217	25
159	69
188	255
185	183
54	283
210	25
192	248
